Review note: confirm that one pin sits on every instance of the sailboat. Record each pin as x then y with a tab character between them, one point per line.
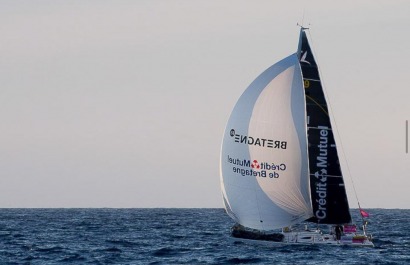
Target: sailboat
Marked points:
279	166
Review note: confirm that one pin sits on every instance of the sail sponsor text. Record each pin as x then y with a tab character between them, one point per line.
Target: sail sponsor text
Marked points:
321	174
248	167
257	141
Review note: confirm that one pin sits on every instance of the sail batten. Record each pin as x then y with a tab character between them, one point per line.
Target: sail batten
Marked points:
320	128
330	176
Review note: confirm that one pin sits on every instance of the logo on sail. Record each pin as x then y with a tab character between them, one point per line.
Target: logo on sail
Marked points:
321	175
246	167
303	58
262	142
255	164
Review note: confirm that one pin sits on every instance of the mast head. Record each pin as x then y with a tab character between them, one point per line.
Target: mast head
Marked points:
302	30
301	26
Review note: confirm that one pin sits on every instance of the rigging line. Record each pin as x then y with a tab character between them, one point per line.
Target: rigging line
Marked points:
407	136
320	106
259	208
255	189
334	121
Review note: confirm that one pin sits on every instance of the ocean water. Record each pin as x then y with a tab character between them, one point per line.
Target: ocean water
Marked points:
176	236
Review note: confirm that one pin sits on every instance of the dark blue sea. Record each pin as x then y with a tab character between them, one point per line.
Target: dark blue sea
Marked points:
176	236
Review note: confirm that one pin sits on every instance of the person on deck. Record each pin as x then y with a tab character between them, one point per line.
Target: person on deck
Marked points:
338	231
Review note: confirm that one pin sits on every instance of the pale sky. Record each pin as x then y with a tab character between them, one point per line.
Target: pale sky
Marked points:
124	103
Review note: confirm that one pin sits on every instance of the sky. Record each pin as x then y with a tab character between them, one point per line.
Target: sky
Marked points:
124	103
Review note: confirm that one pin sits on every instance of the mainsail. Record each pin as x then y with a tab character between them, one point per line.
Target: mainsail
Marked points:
279	164
329	201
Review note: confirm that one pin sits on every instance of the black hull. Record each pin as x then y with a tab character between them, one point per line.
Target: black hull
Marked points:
238	231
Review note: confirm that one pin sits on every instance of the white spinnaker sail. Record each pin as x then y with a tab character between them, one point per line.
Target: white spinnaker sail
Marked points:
264	167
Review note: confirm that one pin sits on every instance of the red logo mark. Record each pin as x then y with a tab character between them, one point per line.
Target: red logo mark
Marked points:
255	164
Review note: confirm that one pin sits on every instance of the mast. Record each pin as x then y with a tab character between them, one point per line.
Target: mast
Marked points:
328	193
